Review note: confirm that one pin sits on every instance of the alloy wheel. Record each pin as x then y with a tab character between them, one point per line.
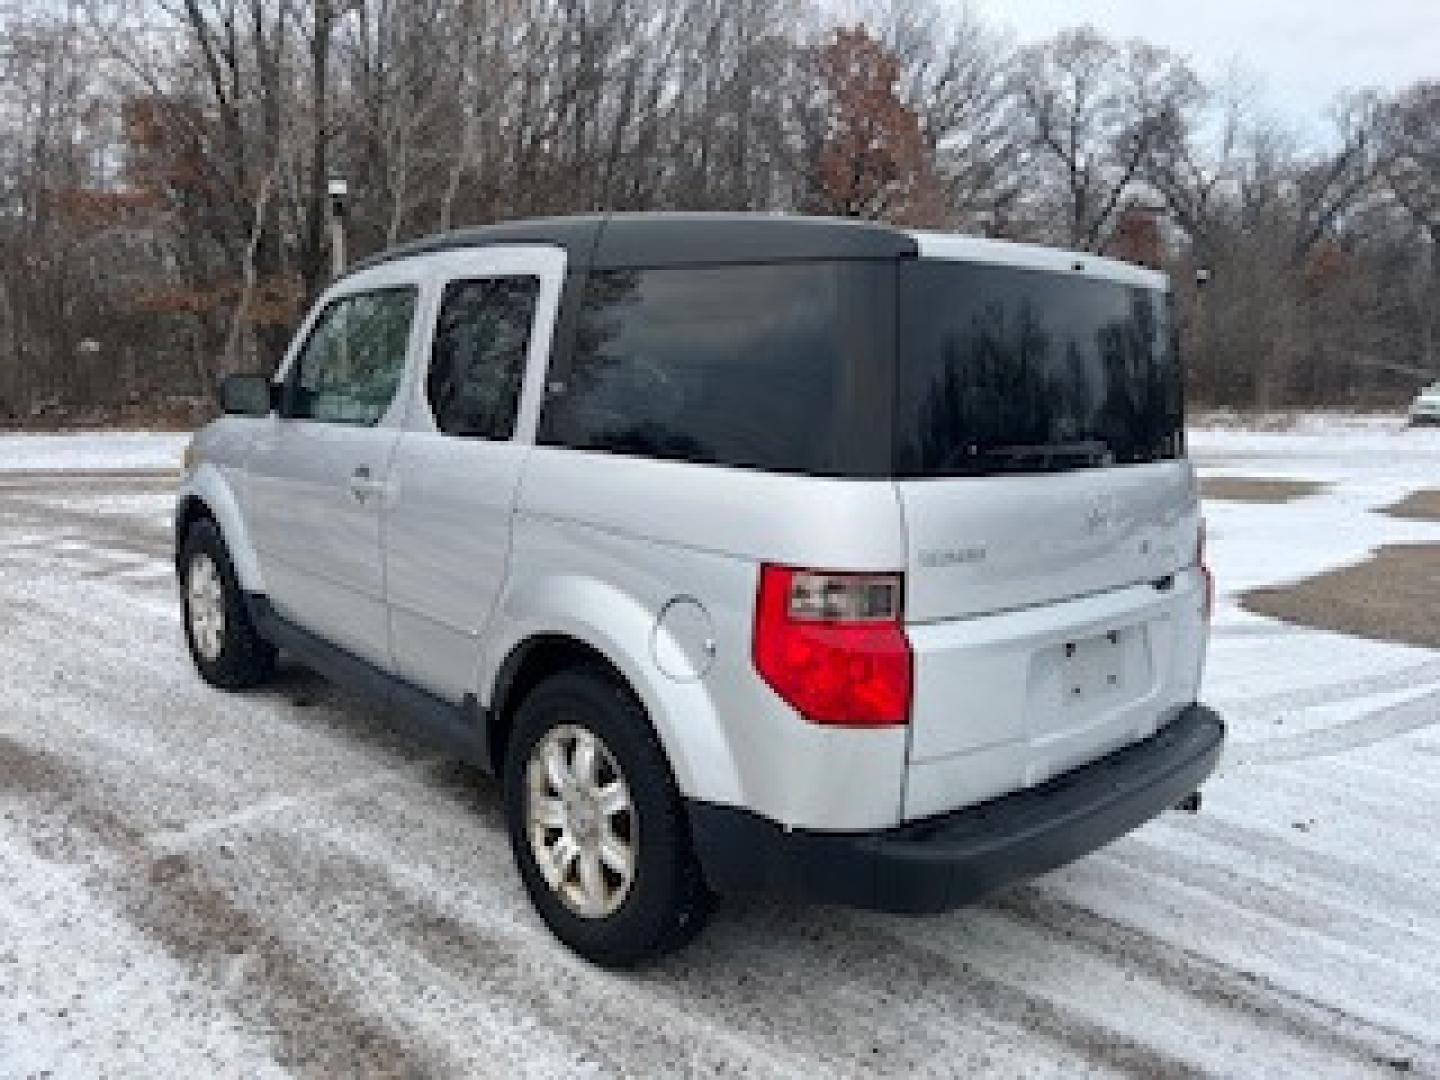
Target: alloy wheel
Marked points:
581	821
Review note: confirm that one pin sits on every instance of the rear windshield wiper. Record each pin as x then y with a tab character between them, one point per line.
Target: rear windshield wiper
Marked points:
1036	457
1086	452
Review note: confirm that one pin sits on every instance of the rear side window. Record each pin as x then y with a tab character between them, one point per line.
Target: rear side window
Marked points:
785	367
477	364
1003	369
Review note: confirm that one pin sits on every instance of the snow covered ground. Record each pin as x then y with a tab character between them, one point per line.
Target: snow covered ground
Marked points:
196	884
1292	677
92	451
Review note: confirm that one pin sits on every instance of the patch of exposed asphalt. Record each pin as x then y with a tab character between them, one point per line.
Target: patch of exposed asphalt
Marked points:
1391	597
312	1028
1257	490
1417	506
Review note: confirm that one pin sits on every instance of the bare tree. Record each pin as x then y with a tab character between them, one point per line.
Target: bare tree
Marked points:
1412	175
1096	111
955	76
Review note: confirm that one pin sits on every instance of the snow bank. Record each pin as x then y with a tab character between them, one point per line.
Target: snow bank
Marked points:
92	451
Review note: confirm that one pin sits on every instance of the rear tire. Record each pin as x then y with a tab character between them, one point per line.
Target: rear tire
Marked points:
636	809
227	650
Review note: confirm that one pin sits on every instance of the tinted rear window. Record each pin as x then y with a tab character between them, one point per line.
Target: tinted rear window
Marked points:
1004	369
477	363
785	367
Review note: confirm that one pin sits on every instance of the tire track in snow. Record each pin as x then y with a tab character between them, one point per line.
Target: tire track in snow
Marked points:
1314	905
127	533
1399	895
1414	677
970	992
1372	727
1335	928
1252	996
1246	630
85	479
308	1025
487	952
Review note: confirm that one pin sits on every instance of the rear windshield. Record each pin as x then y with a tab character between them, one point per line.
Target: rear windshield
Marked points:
1004	369
782	366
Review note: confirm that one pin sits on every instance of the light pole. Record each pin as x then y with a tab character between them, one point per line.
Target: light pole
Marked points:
1202	336
339	196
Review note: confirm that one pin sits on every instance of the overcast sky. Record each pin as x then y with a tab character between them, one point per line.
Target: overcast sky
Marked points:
1301	51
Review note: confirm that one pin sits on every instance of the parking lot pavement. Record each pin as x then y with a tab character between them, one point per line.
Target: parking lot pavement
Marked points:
193	883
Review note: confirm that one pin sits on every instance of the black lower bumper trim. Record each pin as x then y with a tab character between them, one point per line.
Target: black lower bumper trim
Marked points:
944	862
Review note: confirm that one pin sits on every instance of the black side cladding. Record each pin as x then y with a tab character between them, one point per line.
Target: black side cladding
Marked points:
460	730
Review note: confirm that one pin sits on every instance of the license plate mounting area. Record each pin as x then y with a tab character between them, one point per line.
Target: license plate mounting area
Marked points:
1093	667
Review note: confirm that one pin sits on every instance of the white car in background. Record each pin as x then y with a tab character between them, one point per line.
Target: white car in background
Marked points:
1425	409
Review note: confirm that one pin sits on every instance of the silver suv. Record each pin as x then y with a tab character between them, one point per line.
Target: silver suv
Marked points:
750	552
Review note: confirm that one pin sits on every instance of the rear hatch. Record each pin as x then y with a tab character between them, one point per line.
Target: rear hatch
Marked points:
1050	516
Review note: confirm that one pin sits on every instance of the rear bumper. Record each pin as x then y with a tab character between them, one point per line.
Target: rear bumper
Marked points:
946	861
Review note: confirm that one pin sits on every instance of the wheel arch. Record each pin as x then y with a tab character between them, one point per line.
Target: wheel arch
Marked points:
529	663
207	494
192	508
682	715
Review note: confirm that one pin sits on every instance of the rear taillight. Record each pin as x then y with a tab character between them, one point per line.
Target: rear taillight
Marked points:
833	646
1205	571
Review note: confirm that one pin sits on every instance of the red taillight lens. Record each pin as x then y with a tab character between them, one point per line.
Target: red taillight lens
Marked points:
832	645
1205	570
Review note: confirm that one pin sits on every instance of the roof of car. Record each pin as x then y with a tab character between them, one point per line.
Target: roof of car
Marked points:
645	240
977	249
623	241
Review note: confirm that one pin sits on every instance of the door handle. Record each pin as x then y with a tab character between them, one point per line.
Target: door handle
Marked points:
363	485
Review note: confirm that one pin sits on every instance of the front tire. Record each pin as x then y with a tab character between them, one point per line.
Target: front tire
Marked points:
596	823
227	650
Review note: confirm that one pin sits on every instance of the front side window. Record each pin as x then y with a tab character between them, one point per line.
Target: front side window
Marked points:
784	367
352	362
477	365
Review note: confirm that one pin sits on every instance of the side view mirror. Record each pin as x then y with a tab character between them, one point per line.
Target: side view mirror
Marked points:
246	395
